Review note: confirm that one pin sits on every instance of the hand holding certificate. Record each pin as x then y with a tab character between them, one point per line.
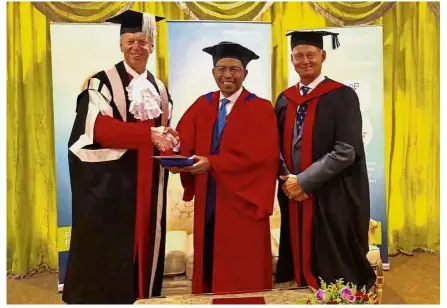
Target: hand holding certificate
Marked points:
175	161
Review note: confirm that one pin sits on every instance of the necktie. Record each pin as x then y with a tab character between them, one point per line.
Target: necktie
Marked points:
222	115
301	111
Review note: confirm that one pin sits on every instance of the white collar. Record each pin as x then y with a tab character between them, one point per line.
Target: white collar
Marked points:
133	73
234	97
314	83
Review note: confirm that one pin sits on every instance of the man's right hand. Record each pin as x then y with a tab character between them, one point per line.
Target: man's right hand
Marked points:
162	140
173	132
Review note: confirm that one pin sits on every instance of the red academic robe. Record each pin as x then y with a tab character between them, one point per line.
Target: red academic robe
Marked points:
245	172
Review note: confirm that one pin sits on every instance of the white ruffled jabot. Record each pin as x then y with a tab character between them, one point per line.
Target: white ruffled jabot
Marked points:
145	100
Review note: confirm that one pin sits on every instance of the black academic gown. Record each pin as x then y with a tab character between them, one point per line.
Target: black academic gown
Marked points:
103	258
339	190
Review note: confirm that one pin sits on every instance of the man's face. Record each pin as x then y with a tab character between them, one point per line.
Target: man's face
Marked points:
136	48
307	60
229	74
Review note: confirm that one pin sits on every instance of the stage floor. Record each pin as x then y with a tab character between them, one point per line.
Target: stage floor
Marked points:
273	297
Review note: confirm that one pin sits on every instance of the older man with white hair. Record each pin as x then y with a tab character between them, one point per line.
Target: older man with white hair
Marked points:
118	189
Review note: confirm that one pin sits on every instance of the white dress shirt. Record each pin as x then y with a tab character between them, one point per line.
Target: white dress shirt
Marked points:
233	98
132	72
311	85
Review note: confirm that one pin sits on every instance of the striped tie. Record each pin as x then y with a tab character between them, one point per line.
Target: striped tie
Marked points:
301	111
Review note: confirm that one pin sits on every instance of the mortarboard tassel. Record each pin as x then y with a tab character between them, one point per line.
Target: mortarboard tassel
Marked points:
149	25
335	41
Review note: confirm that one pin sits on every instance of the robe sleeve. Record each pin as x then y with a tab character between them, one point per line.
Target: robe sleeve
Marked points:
111	133
186	129
348	142
94	122
251	169
280	110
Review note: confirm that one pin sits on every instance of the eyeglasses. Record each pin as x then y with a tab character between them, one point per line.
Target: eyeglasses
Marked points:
300	57
233	70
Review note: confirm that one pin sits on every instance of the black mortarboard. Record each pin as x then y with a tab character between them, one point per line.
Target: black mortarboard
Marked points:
132	21
231	50
314	38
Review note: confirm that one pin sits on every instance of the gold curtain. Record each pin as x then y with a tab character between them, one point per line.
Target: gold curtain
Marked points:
31	183
411	67
81	11
231	10
411	36
352	13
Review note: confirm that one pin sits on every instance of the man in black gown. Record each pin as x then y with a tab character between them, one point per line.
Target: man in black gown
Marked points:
323	192
118	190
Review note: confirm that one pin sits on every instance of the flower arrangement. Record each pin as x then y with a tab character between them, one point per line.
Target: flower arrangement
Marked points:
340	293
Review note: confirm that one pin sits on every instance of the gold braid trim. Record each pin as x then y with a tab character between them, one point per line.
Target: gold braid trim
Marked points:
32	272
185	9
339	21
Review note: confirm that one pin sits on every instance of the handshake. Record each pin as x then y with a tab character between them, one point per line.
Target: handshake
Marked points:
164	138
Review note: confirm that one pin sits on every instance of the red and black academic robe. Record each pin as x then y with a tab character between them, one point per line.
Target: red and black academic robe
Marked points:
118	197
239	189
326	236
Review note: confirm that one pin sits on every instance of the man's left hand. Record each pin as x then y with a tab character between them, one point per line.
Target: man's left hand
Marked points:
202	164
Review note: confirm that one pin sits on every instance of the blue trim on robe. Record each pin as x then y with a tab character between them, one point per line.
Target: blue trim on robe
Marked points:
209	97
211	188
249	97
210	207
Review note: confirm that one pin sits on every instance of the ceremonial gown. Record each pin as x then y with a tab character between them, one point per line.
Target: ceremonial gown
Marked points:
118	195
326	236
232	249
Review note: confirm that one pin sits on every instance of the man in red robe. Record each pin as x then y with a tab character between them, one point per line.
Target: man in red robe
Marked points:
324	200
233	138
118	190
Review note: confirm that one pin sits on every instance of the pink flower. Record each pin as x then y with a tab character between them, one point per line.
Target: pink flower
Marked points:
320	295
346	294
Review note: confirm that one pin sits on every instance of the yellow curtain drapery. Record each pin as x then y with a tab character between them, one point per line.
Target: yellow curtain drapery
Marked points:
352	13
81	11
31	183
411	37
411	68
231	10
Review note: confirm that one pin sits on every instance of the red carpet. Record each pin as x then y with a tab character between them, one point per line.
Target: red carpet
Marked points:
239	301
